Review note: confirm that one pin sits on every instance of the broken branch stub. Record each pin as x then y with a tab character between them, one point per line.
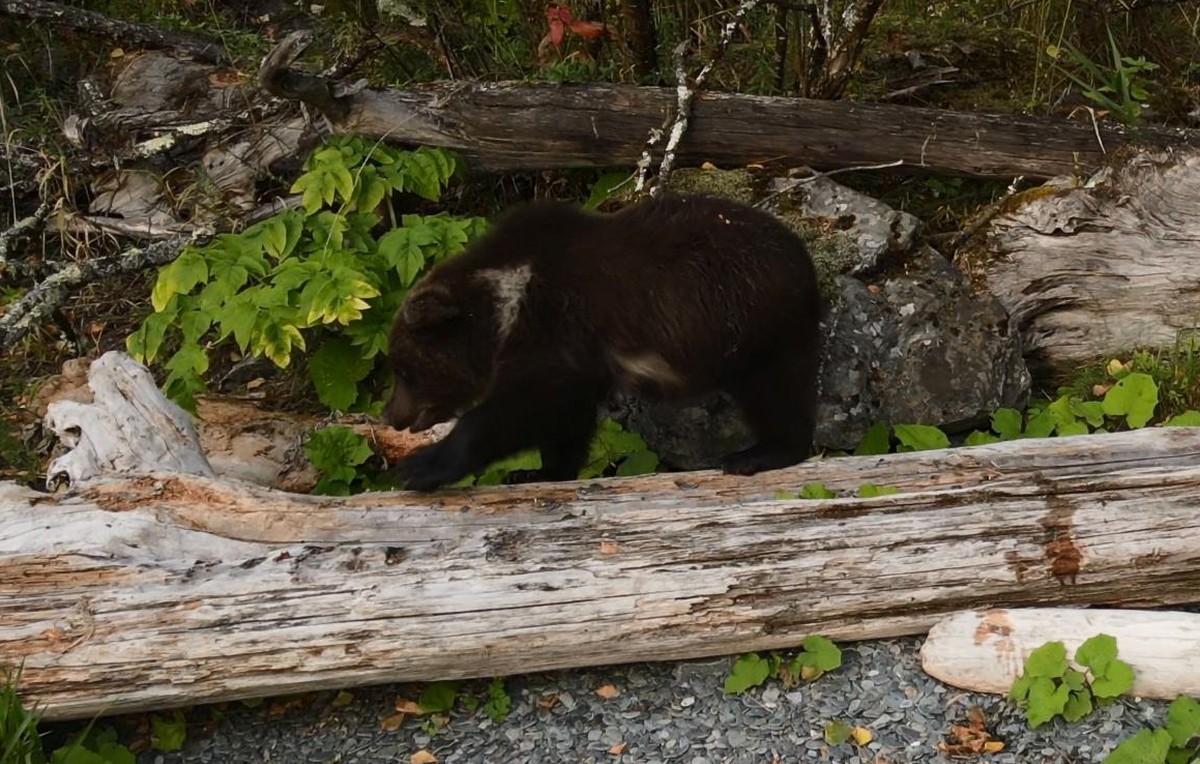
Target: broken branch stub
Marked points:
129	428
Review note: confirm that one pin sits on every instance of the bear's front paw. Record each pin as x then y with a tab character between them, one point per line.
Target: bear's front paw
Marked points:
428	468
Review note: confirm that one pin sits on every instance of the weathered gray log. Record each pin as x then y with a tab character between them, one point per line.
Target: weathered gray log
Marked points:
514	125
148	591
1097	268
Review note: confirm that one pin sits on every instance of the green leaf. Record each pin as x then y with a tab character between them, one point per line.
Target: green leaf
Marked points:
1134	397
276	342
875	440
1074	679
820	653
336	451
1007	423
1048	660
336	368
168	734
1145	747
1019	692
1096	653
496	472
1078	705
144	343
870	490
1046	700
816	491
403	249
748	671
1091	411
1183	720
920	437
438	697
1074	428
1117	679
641	462
1063	414
604	187
180	277
980	438
1188	418
1040	425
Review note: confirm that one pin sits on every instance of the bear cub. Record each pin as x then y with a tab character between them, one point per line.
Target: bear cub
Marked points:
523	335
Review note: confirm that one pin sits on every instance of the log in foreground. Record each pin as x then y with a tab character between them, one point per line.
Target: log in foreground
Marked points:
985	651
155	591
509	126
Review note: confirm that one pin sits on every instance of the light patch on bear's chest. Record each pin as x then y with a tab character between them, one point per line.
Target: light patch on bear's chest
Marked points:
647	367
509	286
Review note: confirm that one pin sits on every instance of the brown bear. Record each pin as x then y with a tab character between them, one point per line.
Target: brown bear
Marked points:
523	335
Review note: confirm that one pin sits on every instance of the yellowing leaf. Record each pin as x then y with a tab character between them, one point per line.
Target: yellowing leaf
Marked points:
343	698
993	746
608	692
618	749
422	757
391	723
862	735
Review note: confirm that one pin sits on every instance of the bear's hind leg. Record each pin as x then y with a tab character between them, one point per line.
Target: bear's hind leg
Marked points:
779	401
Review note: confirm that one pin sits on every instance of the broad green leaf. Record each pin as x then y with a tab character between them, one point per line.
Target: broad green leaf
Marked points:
875	440
820	653
1091	411
1078	705
1048	660
837	732
1186	419
604	187
980	438
749	670
1040	425
438	697
168	734
403	248
1134	397
1145	747
920	437
1117	679
1046	700
180	277
193	324
276	342
1007	423
336	451
1183	720
336	368
1073	428
641	462
1096	653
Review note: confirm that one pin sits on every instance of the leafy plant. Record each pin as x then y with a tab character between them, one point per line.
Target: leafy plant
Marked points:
168	734
1174	743
817	656
19	739
337	452
498	704
1117	87
1049	687
313	276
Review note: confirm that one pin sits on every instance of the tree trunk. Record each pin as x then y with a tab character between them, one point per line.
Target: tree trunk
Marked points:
513	126
145	591
1097	269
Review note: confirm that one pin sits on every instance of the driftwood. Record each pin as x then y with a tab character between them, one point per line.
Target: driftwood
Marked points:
510	126
146	591
984	651
1094	270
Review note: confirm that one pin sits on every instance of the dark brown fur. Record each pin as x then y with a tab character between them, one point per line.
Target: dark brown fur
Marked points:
669	297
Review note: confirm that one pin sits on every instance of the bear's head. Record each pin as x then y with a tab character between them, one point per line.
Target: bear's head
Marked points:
441	350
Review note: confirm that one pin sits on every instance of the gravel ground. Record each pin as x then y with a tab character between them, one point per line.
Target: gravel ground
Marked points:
668	712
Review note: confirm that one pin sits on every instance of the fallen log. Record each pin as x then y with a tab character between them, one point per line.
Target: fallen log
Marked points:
509	126
156	590
1092	269
985	650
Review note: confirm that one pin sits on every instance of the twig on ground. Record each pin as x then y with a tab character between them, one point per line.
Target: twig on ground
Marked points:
816	176
22	228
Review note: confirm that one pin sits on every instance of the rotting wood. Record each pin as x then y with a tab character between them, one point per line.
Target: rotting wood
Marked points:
1092	270
985	650
150	591
514	126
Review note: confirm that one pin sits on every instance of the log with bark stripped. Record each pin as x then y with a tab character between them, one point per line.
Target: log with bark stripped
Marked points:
147	591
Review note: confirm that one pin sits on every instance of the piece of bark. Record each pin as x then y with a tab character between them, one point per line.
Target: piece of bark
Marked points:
509	126
1092	270
985	650
148	591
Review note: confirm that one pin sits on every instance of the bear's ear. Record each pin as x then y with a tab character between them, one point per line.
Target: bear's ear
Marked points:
430	306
